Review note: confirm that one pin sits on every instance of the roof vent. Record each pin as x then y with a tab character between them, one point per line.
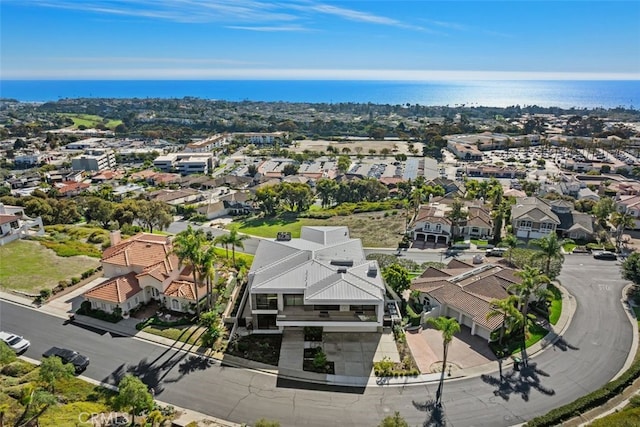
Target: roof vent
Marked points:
283	236
342	262
372	271
342	271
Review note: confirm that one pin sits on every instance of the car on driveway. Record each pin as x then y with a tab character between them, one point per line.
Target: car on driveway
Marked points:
496	251
605	255
15	342
78	361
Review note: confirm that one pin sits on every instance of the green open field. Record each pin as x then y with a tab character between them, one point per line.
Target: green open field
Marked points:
28	266
374	228
90	120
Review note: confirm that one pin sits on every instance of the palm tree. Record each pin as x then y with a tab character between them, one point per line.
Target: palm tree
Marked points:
550	249
222	240
234	239
510	241
187	246
448	327
511	316
620	221
208	271
533	284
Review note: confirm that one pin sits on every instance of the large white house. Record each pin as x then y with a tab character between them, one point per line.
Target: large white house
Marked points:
320	279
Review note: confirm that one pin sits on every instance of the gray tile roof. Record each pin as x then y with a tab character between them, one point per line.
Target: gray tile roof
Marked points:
304	265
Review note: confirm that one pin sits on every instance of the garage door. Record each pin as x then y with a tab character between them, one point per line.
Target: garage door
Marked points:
466	320
453	313
482	332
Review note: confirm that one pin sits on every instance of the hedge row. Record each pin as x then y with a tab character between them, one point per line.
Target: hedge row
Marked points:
589	401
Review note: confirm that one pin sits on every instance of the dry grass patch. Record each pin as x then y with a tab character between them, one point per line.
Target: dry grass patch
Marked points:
29	266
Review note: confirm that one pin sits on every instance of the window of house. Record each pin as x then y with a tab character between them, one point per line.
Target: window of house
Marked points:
438	227
326	307
427	226
362	307
266	301
103	306
175	304
475	230
14	224
545	226
525	224
292	300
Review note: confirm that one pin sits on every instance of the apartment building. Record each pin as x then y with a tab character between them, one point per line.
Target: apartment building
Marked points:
96	159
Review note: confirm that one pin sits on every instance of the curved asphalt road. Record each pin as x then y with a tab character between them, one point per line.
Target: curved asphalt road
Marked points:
593	350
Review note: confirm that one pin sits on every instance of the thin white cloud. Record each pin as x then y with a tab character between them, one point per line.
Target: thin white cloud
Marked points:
230	12
150	60
287	28
184	11
305	74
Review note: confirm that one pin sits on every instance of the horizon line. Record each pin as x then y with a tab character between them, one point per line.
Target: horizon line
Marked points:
314	74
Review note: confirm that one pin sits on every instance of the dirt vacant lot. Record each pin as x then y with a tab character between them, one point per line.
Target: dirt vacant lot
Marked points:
28	266
395	146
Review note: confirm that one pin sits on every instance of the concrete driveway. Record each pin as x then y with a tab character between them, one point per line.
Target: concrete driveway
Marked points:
465	350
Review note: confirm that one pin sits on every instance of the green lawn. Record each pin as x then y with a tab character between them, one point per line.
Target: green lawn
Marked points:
478	242
376	229
556	305
186	334
536	333
34	267
90	120
569	247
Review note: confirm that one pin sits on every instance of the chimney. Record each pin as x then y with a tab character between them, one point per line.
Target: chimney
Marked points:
114	237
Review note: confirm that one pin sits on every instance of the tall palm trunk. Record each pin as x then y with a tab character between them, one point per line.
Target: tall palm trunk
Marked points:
195	289
525	322
444	368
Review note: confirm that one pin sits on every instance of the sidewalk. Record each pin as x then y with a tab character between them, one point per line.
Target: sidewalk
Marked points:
125	327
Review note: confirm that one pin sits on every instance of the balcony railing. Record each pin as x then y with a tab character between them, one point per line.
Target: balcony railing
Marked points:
300	314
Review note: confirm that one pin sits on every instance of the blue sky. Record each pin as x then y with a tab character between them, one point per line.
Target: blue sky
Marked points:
309	39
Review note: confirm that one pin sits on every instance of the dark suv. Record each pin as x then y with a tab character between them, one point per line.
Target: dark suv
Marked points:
605	255
78	361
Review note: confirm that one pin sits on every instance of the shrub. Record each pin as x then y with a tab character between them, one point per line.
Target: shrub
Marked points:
75	280
45	294
16	369
266	423
320	360
384	367
312	333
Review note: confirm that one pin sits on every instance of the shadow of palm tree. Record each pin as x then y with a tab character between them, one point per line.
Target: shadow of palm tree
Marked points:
190	365
563	345
520	382
435	413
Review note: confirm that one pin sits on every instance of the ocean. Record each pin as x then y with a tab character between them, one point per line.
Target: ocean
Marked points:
563	94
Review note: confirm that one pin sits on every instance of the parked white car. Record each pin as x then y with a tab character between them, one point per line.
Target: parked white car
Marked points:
15	342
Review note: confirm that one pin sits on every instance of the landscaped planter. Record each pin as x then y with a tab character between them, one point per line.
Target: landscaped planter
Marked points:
329	368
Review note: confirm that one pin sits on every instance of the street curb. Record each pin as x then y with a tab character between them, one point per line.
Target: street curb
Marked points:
634	327
191	415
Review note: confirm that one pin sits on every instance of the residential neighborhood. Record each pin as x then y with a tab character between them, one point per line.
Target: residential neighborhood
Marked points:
357	261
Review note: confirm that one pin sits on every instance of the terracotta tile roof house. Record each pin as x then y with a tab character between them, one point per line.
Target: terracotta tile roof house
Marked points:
431	224
465	291
71	188
142	269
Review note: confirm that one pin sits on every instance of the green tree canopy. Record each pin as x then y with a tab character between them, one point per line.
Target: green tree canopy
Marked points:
397	277
133	396
52	370
631	268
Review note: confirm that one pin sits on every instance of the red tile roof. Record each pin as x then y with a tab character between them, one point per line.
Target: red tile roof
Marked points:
144	250
8	218
117	290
